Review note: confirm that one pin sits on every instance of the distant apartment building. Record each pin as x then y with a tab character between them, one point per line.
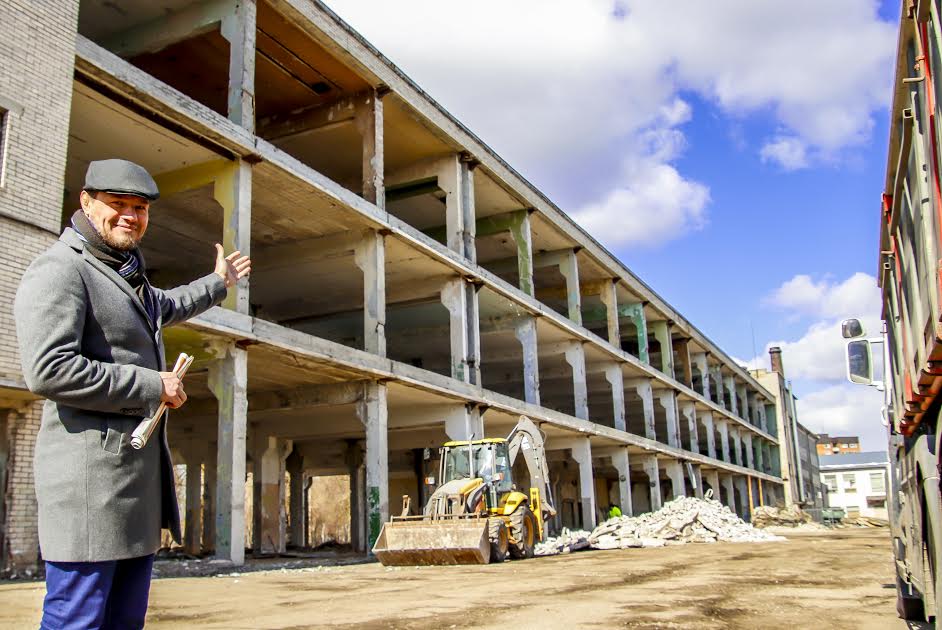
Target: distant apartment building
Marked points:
857	482
799	461
837	444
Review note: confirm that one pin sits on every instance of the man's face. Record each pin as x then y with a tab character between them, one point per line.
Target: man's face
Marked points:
121	220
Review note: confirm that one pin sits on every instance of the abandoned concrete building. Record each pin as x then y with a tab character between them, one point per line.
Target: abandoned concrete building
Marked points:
409	286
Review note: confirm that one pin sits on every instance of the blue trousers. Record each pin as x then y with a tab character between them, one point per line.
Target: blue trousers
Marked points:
97	595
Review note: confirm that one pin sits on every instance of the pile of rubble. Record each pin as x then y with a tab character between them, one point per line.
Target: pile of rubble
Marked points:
864	521
770	516
683	520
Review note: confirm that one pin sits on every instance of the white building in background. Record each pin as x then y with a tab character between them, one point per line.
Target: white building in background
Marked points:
857	482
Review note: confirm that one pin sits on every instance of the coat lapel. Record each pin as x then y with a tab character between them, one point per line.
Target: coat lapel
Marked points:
70	237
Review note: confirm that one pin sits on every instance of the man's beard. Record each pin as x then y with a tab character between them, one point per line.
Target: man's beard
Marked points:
122	243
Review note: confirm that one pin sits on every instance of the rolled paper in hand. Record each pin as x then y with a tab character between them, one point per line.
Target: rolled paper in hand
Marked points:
146	428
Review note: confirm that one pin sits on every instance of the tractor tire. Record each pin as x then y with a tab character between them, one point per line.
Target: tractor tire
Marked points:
499	538
523	532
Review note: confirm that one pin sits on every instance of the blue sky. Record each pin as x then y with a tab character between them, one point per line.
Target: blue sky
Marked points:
734	152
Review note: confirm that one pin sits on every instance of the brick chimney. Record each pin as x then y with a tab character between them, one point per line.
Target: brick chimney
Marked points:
775	354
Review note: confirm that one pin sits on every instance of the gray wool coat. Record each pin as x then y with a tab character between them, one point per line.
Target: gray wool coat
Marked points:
88	348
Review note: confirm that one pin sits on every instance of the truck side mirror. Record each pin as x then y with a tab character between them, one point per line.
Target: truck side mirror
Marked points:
852	328
859	363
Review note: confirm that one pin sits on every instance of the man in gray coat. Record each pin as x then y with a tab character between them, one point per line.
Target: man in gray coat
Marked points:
89	326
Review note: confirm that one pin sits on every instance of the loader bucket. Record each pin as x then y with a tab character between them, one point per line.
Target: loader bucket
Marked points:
438	541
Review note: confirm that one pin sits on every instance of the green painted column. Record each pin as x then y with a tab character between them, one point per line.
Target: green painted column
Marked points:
635	312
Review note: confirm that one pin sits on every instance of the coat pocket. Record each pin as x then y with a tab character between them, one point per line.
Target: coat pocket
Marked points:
112	441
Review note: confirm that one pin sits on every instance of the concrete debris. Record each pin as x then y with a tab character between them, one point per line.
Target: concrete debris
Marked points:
864	521
770	516
683	520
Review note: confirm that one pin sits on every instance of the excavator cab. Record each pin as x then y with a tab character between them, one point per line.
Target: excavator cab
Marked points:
487	460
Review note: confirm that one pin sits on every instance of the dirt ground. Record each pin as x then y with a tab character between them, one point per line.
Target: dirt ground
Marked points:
837	579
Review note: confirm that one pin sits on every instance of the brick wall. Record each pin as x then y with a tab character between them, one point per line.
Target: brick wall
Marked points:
37	56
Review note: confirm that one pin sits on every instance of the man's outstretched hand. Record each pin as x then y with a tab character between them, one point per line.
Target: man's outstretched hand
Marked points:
232	267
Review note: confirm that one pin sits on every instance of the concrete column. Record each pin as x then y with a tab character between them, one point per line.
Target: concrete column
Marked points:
747	444
372	412
232	189
468	207
295	467
760	455
685	370
455	179
706	419
649	462
575	357
662	333
525	332
689	412
742	484
697	481
193	454
368	118
646	392
357	471
622	464
675	470
582	454
668	402
743	402
273	534
239	29
730	383
209	498
722	427
464	423
520	231
636	313
616	381
569	268
454	298
609	297
727	480
703	366
734	434
228	379
713	478
718	385
370	257
473	331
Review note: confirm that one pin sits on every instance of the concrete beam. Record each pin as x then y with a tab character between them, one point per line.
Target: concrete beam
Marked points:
370	257
305	397
373	413
170	28
343	111
463	423
517	223
228	379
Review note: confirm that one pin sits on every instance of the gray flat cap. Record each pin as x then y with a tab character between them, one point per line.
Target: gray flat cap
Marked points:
120	177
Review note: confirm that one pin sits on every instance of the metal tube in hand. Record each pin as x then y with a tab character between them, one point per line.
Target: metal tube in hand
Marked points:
146	428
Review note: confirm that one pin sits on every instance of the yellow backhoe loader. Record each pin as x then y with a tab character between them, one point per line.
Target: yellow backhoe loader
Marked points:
477	515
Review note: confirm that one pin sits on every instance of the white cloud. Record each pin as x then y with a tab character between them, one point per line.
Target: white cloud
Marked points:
845	410
571	93
857	296
789	153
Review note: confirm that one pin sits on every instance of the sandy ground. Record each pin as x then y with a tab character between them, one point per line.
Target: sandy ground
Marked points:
840	579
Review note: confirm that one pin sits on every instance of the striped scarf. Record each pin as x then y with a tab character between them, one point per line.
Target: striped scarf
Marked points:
128	264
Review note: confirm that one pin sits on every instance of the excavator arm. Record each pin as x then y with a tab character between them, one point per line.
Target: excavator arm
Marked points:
526	438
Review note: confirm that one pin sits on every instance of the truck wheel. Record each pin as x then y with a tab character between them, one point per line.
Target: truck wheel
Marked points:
500	539
523	530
